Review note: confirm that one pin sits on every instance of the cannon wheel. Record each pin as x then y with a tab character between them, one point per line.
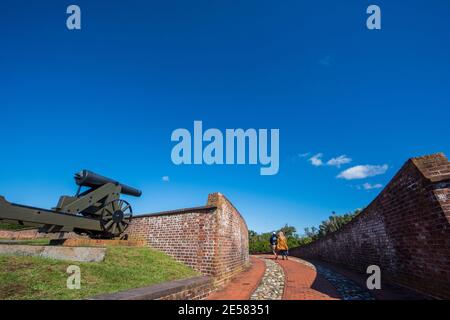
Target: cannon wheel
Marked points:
116	217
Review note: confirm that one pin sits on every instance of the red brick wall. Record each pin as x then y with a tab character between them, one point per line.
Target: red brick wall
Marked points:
405	230
212	239
231	245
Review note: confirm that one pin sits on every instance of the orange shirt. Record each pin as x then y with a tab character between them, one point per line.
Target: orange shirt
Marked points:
282	244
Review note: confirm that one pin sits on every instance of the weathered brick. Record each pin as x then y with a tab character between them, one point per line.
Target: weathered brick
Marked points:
405	230
212	239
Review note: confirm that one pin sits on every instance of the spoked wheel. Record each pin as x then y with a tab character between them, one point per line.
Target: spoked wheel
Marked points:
116	217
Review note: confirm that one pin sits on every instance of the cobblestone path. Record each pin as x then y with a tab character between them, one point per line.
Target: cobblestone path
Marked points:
347	289
272	284
293	279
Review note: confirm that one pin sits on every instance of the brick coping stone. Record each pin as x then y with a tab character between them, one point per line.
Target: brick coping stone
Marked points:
156	291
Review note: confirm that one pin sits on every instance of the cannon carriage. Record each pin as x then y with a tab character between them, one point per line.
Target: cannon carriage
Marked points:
98	211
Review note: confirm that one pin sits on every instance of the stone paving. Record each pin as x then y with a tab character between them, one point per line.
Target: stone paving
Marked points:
348	289
272	284
297	279
303	283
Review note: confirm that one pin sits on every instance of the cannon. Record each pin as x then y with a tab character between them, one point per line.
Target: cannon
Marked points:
97	211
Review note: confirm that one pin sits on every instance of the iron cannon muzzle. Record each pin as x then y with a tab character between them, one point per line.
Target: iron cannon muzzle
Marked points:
86	178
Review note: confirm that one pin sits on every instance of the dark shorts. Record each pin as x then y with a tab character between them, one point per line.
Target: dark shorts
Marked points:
284	252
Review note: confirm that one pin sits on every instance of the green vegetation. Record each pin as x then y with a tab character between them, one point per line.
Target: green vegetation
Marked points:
259	243
333	224
38	241
123	268
11	226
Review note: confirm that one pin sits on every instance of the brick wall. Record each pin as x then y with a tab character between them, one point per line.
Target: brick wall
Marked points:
405	230
212	239
231	235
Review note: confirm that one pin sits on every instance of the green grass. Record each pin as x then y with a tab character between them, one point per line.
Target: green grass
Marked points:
38	241
123	268
12	226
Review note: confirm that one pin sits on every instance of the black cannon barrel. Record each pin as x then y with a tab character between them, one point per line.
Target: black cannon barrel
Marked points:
86	178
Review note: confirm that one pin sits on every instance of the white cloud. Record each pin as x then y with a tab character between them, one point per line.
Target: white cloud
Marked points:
303	155
362	171
368	186
337	162
165	179
315	160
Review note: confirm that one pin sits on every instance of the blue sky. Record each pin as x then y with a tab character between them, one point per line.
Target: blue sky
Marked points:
108	97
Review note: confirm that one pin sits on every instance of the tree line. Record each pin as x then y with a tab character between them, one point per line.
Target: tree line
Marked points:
259	242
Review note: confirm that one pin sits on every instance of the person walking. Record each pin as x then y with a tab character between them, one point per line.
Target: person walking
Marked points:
273	244
282	245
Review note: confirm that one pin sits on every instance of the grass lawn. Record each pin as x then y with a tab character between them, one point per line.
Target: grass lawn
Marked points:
123	268
38	241
11	226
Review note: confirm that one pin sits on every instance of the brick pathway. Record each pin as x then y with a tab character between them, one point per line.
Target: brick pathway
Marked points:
303	283
303	280
243	285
